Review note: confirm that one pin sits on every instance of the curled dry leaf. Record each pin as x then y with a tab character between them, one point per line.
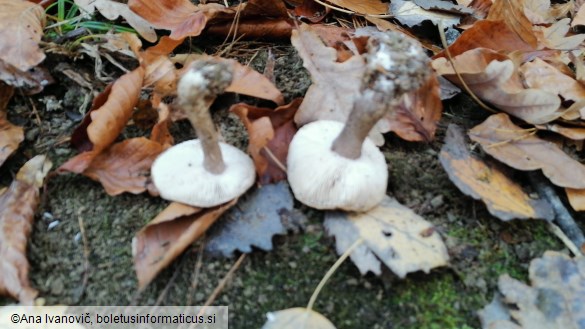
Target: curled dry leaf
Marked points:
109	114
17	208
392	234
521	149
512	12
554	36
297	318
112	10
181	17
576	198
162	240
503	197
539	74
554	300
125	166
492	77
21	29
270	132
10	135
363	7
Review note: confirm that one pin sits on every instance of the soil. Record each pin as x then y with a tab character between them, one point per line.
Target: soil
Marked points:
481	247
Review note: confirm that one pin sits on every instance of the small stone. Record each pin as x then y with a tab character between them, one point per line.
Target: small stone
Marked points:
292	265
57	286
437	201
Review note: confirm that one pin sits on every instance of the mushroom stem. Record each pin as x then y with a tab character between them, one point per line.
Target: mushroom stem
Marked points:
201	120
197	90
367	110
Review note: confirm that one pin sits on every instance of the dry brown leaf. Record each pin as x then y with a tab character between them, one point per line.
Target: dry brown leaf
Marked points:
362	7
555	36
415	119
538	11
297	318
574	133
576	198
494	35
392	234
503	197
512	12
10	135
125	166
21	29
109	114
311	11
579	18
247	81
520	149
181	17
270	130
541	75
493	77
112	10
168	235
17	208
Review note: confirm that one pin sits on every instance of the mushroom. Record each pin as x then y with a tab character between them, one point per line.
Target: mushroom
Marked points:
336	166
203	172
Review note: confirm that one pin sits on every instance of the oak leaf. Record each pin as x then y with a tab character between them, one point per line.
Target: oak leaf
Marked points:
554	299
492	77
520	149
10	135
503	197
392	234
17	208
162	240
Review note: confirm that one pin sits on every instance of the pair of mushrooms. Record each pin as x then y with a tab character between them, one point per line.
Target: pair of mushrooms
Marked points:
330	165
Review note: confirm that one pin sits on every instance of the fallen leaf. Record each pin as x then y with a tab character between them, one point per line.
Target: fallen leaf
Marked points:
554	36
522	150
312	11
539	74
576	198
125	166
17	208
554	300
574	133
162	240
410	13
538	11
30	82
297	318
264	213
10	135
181	17
112	10
109	114
247	81
270	132
512	12
392	234
21	29
415	119
494	35
579	18
492	77
362	7
504	198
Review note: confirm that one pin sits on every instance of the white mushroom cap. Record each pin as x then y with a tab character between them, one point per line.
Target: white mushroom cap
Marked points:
323	179
179	175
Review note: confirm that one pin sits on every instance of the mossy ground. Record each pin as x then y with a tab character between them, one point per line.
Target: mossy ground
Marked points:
481	247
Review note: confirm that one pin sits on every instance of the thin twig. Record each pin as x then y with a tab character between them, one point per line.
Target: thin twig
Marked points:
196	273
85	253
563	217
224	281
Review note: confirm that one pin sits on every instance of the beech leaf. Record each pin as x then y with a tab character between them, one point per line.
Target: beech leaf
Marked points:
393	234
162	240
520	149
17	208
539	74
512	12
503	197
363	7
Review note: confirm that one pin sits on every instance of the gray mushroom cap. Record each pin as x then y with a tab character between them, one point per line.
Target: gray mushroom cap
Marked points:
323	179
179	175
